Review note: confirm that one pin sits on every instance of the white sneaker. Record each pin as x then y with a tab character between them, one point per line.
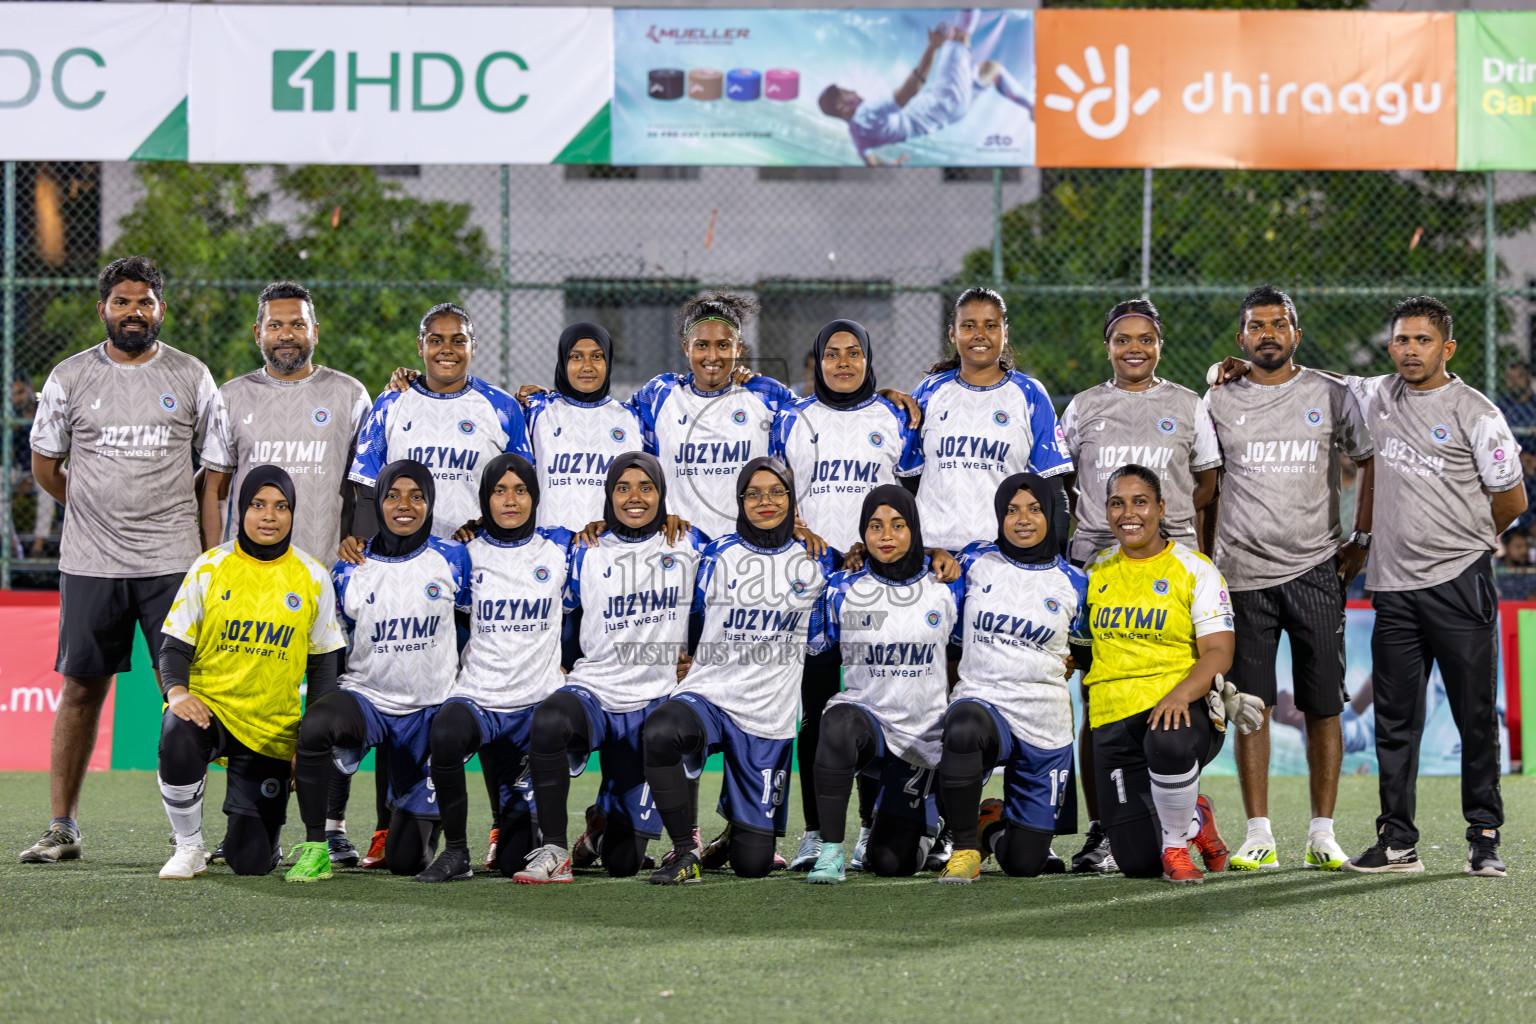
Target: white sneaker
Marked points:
1257	853
856	862
809	849
546	864
187	862
1323	853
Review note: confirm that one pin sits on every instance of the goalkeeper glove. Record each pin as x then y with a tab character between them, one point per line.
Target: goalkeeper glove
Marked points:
1227	705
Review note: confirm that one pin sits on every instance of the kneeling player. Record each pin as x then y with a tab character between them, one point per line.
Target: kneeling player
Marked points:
1012	707
400	605
759	594
892	619
628	600
511	663
231	687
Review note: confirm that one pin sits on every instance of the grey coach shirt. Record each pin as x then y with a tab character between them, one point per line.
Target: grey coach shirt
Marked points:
129	431
1280	484
1436	451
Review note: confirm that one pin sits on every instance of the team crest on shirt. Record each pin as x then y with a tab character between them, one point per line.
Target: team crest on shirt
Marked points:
934	618
740	415
321	416
798	586
1440	432
876	438
466	426
1226	620
168	403
1052	605
1160	587
293	601
541	574
434	591
617	433
1498	455
1314	416
1000	418
668	562
1167	425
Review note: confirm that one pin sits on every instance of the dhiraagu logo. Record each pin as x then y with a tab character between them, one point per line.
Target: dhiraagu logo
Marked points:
1118	94
314	80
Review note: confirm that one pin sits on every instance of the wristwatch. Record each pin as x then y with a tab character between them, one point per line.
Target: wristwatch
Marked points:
1361	540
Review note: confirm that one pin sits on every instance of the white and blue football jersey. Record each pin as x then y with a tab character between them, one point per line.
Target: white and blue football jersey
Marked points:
517	591
838	456
703	438
1015	627
893	638
635	597
403	651
452	435
972	439
762	610
573	443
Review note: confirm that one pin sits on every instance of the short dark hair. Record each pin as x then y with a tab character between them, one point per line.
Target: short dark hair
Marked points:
283	290
1427	306
130	268
1133	307
1146	476
1267	295
827	101
443	309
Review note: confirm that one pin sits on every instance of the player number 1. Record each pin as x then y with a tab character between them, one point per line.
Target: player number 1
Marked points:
1118	775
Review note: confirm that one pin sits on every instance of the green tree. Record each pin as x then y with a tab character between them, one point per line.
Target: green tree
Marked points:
372	254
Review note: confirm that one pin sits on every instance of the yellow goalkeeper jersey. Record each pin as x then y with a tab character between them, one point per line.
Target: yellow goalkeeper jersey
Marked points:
253	625
1145	616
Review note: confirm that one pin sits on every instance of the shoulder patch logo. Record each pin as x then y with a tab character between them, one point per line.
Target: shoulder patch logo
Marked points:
293	601
740	415
1167	425
876	438
541	574
617	433
1160	587
1000	418
1314	416
1441	433
466	426
168	403
934	618
321	416
1498	455
433	592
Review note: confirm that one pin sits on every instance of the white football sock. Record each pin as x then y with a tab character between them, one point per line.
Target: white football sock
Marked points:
335	825
1320	825
1259	827
1174	796
184	806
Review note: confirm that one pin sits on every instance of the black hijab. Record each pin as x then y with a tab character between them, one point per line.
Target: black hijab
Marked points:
386	543
265	476
836	399
1050	546
910	564
497	468
648	465
568	339
780	535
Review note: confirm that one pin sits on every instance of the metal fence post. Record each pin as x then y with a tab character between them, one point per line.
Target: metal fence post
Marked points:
1490	294
8	368
506	277
1146	233
997	227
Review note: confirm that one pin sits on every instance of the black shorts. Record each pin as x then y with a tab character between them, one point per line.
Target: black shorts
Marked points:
256	784
1310	609
1120	762
97	616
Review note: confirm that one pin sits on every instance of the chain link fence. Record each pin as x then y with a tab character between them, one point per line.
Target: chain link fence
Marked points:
528	249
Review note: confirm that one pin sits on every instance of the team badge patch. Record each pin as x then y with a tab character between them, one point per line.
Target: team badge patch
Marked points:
1224	595
1052	605
1226	620
270	788
668	562
798	586
168	403
1441	432
740	415
934	618
1314	416
1000	418
541	574
434	591
293	601
321	416
1498	455
466	427
876	438
1160	587
617	433
1167	425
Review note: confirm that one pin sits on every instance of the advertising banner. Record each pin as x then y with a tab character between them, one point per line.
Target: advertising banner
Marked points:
1250	89
30	689
90	81
1496	92
773	87
454	85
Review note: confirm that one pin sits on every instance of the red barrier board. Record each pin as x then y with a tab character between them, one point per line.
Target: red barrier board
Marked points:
30	688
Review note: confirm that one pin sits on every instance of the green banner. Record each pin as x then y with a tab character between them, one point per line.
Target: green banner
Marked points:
1496	92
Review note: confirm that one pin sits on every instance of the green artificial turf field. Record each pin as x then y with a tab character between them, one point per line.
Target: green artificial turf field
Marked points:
106	940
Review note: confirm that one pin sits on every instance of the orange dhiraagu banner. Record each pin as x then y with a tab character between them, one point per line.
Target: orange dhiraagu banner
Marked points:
1270	89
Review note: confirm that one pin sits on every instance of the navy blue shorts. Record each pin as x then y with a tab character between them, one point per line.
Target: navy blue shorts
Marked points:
1035	781
623	792
756	787
408	740
505	734
906	790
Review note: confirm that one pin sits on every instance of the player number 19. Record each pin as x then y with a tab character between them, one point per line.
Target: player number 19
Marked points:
773	787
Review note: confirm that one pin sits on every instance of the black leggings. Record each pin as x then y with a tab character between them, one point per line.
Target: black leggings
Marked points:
897	847
848	745
817	686
185	753
559	731
971	749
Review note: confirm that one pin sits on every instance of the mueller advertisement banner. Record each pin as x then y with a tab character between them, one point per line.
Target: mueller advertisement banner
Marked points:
92	81
1253	89
1496	92
770	87
476	85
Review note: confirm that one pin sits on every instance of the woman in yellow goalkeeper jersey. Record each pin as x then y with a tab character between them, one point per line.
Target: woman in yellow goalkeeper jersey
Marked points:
1161	628
252	616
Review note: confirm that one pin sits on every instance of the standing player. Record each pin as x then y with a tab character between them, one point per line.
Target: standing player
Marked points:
1022	602
628	599
231	669
1449	484
400	607
1135	416
1162	633
759	593
1278	545
126	416
512	662
891	621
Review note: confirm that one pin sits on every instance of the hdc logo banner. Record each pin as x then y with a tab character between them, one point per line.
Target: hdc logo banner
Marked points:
397	84
1259	89
90	81
1496	98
